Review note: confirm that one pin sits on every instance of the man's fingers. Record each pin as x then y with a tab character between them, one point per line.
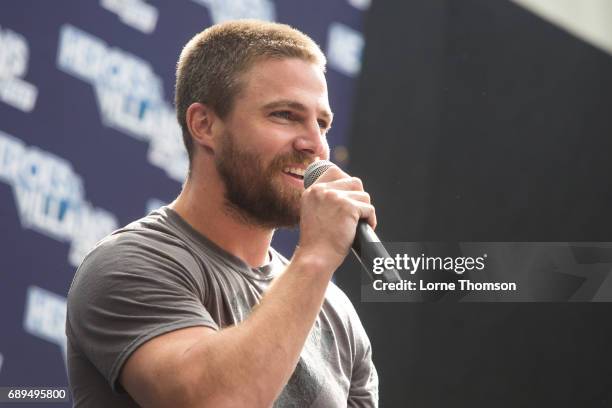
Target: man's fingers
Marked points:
357	196
345	187
345	183
366	212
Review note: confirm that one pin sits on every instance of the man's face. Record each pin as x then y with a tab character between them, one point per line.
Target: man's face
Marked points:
276	128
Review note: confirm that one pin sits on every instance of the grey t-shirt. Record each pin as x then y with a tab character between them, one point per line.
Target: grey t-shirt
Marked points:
158	274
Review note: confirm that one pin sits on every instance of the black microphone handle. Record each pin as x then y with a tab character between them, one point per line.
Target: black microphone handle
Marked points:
366	247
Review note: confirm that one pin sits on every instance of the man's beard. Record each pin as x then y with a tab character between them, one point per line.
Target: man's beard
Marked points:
254	193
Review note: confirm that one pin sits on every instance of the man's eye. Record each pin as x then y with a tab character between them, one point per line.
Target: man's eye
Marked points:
282	114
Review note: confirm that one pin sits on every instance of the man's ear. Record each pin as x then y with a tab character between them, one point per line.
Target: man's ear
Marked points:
203	124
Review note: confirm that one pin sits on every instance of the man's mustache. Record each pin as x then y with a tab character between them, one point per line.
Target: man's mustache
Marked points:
296	157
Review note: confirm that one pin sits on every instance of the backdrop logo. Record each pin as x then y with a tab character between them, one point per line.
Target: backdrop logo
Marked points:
50	197
129	94
14	55
344	48
135	13
223	10
45	316
360	4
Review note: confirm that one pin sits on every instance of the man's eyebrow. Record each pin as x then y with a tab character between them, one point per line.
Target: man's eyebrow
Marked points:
287	103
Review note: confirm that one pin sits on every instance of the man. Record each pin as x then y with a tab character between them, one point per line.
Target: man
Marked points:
190	306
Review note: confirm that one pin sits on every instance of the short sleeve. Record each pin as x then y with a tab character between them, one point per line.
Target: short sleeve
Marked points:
128	290
364	382
363	392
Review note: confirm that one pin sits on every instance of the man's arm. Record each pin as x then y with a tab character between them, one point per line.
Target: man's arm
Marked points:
250	363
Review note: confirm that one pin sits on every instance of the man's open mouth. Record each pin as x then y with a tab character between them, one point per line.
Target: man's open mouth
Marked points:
294	172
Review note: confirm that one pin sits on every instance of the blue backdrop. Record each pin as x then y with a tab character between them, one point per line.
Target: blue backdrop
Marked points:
89	139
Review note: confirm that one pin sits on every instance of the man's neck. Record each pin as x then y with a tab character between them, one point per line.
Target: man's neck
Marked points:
202	206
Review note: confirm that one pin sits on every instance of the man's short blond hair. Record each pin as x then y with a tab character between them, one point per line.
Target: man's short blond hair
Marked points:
210	65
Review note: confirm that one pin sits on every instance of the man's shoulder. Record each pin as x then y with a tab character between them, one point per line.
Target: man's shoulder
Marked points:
150	243
154	232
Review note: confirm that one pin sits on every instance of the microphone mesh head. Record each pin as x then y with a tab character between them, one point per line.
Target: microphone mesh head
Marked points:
314	171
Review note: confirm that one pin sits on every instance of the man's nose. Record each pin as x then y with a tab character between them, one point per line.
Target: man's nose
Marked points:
312	140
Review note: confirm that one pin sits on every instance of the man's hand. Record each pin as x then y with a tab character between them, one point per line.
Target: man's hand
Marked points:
330	211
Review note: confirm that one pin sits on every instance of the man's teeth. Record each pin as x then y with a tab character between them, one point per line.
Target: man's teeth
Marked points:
295	170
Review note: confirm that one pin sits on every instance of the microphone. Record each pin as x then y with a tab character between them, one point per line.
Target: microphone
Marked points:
364	235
